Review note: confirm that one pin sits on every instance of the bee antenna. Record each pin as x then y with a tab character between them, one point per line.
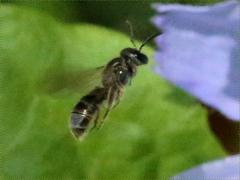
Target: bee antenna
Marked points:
148	39
131	32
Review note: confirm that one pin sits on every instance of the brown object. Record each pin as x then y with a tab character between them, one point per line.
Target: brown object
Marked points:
227	131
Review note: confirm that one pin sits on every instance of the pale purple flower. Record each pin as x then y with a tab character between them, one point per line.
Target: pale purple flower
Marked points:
199	51
224	169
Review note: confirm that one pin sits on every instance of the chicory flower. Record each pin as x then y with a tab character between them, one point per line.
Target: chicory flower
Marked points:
199	51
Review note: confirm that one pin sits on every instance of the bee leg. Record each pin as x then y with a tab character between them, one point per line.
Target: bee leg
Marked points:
113	95
95	122
110	101
116	104
100	124
119	93
106	113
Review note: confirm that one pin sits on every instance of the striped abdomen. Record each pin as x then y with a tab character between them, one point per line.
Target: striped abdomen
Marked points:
86	111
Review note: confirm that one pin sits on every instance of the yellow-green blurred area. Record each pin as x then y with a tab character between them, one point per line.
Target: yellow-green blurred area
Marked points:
47	53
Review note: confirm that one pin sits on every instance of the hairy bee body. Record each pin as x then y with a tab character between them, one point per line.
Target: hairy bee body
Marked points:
115	76
86	111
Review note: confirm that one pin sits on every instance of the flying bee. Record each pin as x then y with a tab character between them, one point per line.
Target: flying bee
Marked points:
116	74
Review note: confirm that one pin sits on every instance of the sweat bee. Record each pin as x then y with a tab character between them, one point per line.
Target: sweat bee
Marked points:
116	74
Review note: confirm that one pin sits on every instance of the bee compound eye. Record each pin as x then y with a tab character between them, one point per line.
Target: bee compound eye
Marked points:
143	58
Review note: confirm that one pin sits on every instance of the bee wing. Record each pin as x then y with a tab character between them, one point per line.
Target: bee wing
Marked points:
82	81
86	80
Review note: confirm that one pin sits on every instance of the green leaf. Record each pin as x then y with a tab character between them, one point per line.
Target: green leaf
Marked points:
149	135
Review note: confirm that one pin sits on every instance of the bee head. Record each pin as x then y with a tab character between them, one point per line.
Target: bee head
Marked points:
134	55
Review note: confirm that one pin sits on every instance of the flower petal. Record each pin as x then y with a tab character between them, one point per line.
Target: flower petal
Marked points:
227	168
200	52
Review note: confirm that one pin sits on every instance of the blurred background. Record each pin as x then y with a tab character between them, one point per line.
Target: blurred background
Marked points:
105	13
46	47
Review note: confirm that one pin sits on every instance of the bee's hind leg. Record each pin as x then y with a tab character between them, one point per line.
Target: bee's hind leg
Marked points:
113	101
117	98
101	122
113	96
95	122
106	113
110	101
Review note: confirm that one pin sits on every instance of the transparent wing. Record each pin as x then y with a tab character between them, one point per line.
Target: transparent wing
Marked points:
74	81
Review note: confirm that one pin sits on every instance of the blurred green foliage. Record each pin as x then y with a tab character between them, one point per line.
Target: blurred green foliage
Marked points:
111	14
147	136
